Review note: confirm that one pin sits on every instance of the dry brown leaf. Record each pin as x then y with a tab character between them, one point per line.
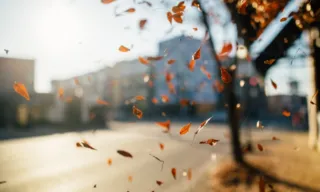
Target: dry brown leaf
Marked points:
225	76
274	85
165	125
286	113
78	144
161	145
192	64
169	16
87	145
283	19
159	183
124	153
269	61
137	112
262	185
21	90
143	61
275	138
185	129
260	147
142	23
109	161
174	173
102	102
123	49
211	142
171	61
189	174
197	54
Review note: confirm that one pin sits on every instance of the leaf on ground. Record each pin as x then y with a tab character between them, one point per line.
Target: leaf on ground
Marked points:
21	90
161	145
286	113
143	61
124	153
123	49
185	129
159	183
225	76
165	125
260	147
137	112
174	173
274	85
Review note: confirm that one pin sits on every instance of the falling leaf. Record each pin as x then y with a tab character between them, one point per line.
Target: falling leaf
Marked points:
274	85
218	86
60	92
87	145
275	138
259	125
109	161
164	98
130	179
314	95
92	116
76	81
123	49
184	102
179	8
131	10
95	186
143	60
68	99
161	145
211	142
124	153
189	174
107	1
21	90
78	144
169	16
226	49
185	129
260	147
197	54
159	183
269	61
261	184
205	72
225	76
137	112
142	23
165	125
286	113
171	87
169	77
195	29
171	61
195	3
140	98
192	65
157	58
202	125
154	100
177	17
174	173
101	102
283	19
7	51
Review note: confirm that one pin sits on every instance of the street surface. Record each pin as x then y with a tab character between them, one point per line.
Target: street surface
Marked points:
54	163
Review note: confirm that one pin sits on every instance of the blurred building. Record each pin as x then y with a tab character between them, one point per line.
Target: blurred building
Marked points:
79	105
14	108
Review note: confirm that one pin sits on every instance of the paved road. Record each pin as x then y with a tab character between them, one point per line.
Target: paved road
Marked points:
53	163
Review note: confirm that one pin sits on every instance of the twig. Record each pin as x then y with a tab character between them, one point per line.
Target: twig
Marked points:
157	158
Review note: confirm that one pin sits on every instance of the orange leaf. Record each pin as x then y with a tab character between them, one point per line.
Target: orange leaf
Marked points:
174	173
260	147
177	17
161	146
189	174
171	87
142	23
197	54
164	98
143	60
109	161
179	8
185	129
76	81
195	29
283	19
195	3
218	86
286	113
269	61
60	92
123	49
226	49
209	142
159	183
262	184
107	1
130	179
225	76
130	10
169	16
102	102
140	98
275	138
184	102
205	72
124	153
137	112
21	90
169	77
202	125
155	58
171	61
154	100
165	125
192	65
274	85
78	144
